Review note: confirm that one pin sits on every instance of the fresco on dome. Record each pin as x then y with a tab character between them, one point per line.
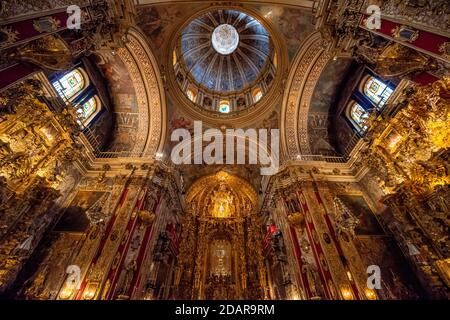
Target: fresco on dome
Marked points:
293	24
159	22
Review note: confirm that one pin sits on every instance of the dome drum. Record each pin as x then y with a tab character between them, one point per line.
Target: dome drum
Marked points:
224	55
210	100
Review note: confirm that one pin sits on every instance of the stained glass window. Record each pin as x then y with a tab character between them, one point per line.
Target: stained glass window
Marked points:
70	84
191	95
359	115
174	58
377	91
89	108
224	107
257	95
225	39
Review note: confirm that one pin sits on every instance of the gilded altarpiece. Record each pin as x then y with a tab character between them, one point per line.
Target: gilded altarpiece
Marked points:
407	152
221	228
38	148
126	213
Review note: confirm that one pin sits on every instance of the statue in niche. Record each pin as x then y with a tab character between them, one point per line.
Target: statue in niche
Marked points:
401	292
3	194
128	275
37	289
222	203
96	229
12	98
5	149
135	242
95	212
313	279
16	165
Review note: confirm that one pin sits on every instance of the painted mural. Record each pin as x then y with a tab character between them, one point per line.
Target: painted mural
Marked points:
323	107
123	95
74	218
318	134
158	23
326	92
293	24
397	280
368	224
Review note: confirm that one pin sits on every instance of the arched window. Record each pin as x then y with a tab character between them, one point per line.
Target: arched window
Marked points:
224	106
88	110
89	107
257	95
358	115
70	84
174	57
191	95
377	91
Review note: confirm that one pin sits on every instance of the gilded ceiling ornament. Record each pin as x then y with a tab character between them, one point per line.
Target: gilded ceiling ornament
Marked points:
46	24
405	33
397	60
49	52
8	36
445	49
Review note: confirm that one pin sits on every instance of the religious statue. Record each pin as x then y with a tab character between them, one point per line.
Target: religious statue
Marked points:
50	52
128	273
313	280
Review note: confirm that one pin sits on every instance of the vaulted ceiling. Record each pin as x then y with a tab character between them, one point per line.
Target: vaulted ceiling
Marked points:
302	105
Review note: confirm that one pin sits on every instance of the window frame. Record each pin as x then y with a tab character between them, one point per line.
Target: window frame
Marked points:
85	79
257	92
349	113
363	88
222	103
98	108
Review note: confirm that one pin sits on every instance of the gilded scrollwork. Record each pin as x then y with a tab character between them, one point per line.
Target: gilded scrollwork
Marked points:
408	153
219	218
36	155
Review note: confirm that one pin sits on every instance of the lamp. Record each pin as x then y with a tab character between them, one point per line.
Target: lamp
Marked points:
346	293
370	294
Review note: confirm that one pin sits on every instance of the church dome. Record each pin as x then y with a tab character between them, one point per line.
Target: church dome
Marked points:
224	60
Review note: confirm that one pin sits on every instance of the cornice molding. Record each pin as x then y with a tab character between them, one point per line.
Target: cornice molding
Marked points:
305	72
146	78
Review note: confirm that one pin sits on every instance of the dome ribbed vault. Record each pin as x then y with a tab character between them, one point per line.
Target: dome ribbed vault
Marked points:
225	73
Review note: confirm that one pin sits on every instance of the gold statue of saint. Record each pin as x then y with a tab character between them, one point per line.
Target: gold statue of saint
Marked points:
223	203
